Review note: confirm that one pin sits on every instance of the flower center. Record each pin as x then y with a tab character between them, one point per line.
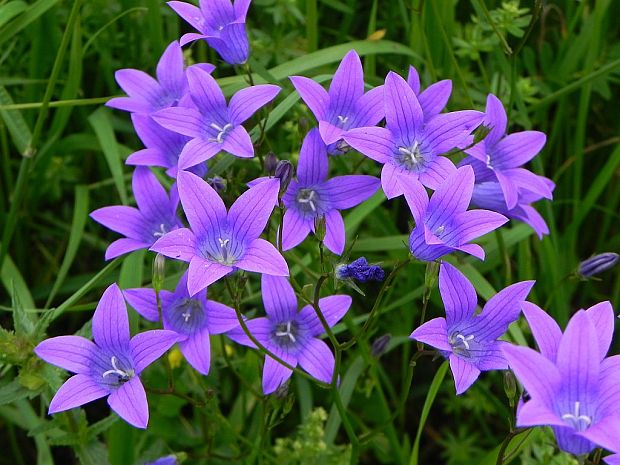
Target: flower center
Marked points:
161	231
225	256
122	375
286	334
488	162
342	120
410	157
307	200
460	343
577	421
221	132
440	230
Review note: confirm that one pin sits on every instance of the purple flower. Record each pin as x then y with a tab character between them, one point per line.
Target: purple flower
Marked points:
408	146
499	157
167	460
434	98
194	319
147	95
612	459
468	340
312	195
489	195
212	125
360	270
109	367
163	147
142	226
598	264
572	387
221	24
345	106
443	224
220	242
291	335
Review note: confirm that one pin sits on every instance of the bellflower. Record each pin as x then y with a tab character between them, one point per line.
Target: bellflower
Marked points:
443	224
572	387
142	226
290	335
167	460
313	195
110	366
499	157
213	125
194	319
345	106
489	195
408	147
468	340
220	242
163	147
146	94
221	23
434	98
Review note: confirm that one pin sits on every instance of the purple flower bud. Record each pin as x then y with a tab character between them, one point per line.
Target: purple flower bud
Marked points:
284	172
597	264
271	162
360	270
167	460
218	183
380	345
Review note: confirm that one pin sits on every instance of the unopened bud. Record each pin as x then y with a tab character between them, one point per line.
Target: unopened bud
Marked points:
284	172
320	227
218	183
597	264
380	345
271	161
510	386
480	133
360	270
159	272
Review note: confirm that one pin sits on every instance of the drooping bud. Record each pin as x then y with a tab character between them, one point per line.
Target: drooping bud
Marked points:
360	270
320	227
380	345
271	161
597	264
284	172
159	272
218	183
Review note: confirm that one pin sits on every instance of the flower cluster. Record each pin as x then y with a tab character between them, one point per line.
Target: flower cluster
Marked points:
184	120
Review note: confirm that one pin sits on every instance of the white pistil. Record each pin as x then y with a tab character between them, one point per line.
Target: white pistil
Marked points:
117	371
440	230
465	340
287	332
161	232
577	419
412	153
224	248
342	120
309	200
489	162
186	315
221	132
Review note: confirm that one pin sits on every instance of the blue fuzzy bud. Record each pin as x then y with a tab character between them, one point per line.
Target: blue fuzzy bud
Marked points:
360	270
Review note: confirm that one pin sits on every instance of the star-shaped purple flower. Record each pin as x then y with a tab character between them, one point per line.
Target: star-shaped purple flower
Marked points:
291	335
194	319
109	367
221	23
443	224
434	98
577	392
499	157
219	242
468	340
142	226
146	94
345	106
313	195
212	125
408	147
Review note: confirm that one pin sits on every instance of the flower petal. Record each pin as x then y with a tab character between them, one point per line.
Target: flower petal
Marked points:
250	213
413	80
403	113
535	413
274	373
144	301
263	257
517	149
312	165
247	101
451	198
129	402
392	179
464	373
203	207
179	244
189	13
333	308
334	232
495	118
139	85
546	331
317	359
448	130
196	151
151	197
148	346
416	197
110	321
376	143
370	108
206	93
279	298
220	318
239	143
435	97
197	351
295	229
604	433
436	172
457	293
122	246
602	317
182	120
72	353
313	95
127	221
77	390
475	223
347	85
348	191
261	328
171	70
434	333
203	273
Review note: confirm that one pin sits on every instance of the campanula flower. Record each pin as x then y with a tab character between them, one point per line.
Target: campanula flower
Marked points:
434	98
345	106
146	94
142	226
470	340
598	264
408	147
193	318
212	125
443	224
292	335
167	460
572	387
219	242
312	196
499	157
360	270
221	23
110	366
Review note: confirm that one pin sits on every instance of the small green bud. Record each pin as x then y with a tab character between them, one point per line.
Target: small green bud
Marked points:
320	228
510	387
159	272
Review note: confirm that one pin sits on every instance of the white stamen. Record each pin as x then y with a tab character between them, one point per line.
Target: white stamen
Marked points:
309	200
117	371
161	232
465	340
489	162
577	419
287	332
221	132
224	248
412	153
342	119
440	230
186	316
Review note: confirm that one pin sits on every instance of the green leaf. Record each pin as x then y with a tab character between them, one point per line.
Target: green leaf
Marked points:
14	391
10	10
15	123
15	285
30	15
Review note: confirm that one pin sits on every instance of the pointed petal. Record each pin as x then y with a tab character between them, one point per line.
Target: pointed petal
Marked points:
517	149
171	70
347	85
451	198
604	433
247	101
476	223
110	322
403	113
413	80
129	402
370	108
375	143
232	45
457	293
279	298
182	120
203	207
527	180
206	93
416	197
250	213
436	172
464	373
334	233
535	413
203	273
127	221
139	85
196	151
509	189
262	257
72	353
220	318
144	301
433	333
472	249
151	197
239	143
448	130
179	244
393	178
77	390
129	104
189	13
313	95
274	373
261	328
148	157
148	346
333	309
534	220
190	37
317	359
241	8
197	351
294	230
546	331
492	357
495	118
602	317
330	133
435	97
122	246
348	191
312	165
